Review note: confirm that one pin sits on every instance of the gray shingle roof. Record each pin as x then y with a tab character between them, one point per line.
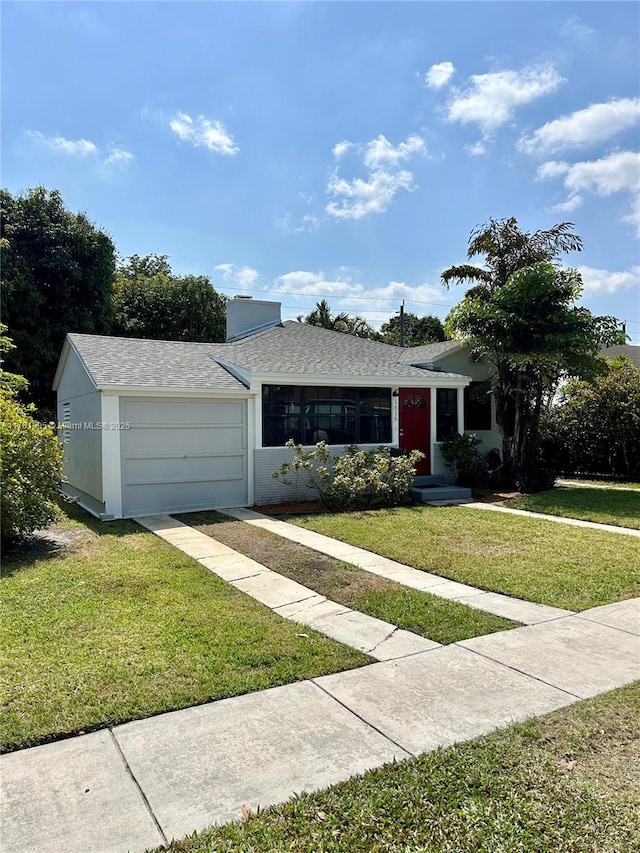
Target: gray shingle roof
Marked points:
288	349
632	352
152	364
428	352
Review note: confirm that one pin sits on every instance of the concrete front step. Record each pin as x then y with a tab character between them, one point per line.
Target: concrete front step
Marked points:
432	494
428	480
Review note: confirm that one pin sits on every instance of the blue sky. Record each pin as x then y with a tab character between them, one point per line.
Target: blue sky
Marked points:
341	150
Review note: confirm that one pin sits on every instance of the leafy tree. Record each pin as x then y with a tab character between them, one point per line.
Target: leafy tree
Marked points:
521	315
57	274
344	322
417	330
149	301
595	427
30	461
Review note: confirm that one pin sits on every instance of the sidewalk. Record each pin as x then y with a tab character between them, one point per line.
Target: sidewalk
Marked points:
141	784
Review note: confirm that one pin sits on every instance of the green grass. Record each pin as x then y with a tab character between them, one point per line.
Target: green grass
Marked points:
108	623
529	558
606	506
565	783
432	617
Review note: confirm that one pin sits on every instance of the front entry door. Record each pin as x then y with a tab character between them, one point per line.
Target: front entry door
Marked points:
415	424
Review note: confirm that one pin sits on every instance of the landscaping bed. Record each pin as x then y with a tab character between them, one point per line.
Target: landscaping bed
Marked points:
428	615
529	558
567	782
102	623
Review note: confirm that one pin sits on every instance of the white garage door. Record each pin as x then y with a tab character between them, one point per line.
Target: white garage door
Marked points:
181	455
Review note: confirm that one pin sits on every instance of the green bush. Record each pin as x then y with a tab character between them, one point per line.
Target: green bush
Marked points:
595	428
31	469
353	480
462	456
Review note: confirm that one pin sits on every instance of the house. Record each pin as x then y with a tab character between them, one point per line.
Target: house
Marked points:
166	426
630	351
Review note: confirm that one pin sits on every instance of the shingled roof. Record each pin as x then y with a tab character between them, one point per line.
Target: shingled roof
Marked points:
291	348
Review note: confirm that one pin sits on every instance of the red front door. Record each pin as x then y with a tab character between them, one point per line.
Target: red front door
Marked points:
415	424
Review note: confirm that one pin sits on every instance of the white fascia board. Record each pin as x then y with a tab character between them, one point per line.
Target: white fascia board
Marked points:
430	380
160	391
66	349
238	373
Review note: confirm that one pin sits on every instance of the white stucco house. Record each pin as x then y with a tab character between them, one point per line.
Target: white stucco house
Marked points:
165	426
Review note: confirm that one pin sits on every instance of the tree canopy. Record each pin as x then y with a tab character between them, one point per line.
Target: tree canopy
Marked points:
417	330
57	272
521	314
149	301
344	322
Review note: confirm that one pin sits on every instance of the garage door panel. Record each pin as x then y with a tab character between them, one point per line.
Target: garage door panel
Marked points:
180	455
181	468
175	441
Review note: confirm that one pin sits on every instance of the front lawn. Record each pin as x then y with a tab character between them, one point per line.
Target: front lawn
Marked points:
432	617
529	558
606	506
104	623
566	782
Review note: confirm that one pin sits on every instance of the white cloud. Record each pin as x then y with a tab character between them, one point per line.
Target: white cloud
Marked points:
476	149
551	169
618	172
204	132
571	204
353	199
606	281
243	277
118	156
573	28
341	148
308	222
375	304
380	151
490	99
439	75
357	198
594	124
60	145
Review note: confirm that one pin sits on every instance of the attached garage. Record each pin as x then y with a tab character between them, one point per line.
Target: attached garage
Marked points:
182	453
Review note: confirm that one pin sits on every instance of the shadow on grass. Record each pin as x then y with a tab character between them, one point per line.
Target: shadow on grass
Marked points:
60	539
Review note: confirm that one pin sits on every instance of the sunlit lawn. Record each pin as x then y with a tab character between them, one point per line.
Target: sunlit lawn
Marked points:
606	506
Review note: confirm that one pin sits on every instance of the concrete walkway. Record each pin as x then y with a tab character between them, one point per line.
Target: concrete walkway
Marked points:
612	486
141	784
526	612
560	519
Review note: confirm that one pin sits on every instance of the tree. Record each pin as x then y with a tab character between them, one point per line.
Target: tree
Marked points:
57	274
30	461
595	427
417	330
149	301
521	314
322	316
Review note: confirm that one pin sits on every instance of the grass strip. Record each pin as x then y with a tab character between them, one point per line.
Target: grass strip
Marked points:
104	623
432	617
605	506
565	782
528	558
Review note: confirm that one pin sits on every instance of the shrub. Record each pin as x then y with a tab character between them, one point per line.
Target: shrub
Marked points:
595	429
31	469
354	480
461	454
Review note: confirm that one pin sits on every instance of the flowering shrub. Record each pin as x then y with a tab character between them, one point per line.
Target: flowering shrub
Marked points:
355	479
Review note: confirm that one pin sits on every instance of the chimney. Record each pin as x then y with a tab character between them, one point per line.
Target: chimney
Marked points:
246	315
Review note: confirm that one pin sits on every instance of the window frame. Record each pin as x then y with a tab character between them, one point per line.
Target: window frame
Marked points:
482	411
335	397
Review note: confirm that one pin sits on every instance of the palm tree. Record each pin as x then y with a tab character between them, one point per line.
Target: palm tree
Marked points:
521	314
343	322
